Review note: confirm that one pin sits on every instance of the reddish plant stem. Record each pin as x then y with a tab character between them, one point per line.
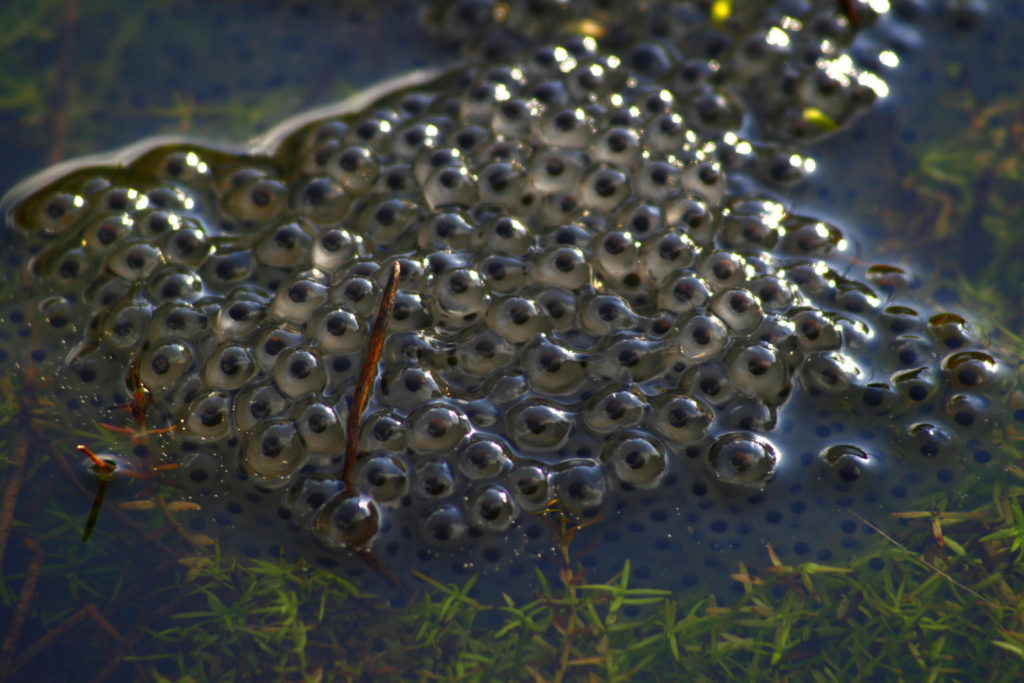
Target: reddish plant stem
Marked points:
367	374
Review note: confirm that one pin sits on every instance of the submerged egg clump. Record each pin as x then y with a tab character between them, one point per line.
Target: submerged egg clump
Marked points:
592	314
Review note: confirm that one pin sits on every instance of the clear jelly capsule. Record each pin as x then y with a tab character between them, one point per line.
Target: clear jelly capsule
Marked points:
529	484
483	458
742	460
444	525
536	425
384	477
272	453
297	298
208	416
491	508
680	418
552	369
347	521
579	486
228	367
320	428
163	365
437	428
611	410
255	403
636	460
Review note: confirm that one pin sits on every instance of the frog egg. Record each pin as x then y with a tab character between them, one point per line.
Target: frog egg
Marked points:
58	312
133	260
737	308
774	294
272	343
977	370
491	508
952	331
253	199
428	160
122	327
830	372
529	484
187	246
381	431
604	314
666	253
461	295
701	337
682	419
444	526
918	384
503	273
52	213
927	442
436	428
175	284
408	313
691	216
683	294
239	316
502	183
226	269
384	477
703	179
757	370
272	453
613	410
175	320
483	459
162	365
968	410
555	170
347	522
320	428
153	224
506	235
636	460
433	479
484	353
617	146
741	460
845	465
656	181
617	254
228	368
564	266
709	382
569	128
383	221
409	387
449	187
749	230
516	319
257	402
207	416
579	486
602	188
355	169
446	231
552	369
335	330
559	305
284	246
716	110
104	233
415	138
299	371
723	269
537	426
335	248
358	294
814	331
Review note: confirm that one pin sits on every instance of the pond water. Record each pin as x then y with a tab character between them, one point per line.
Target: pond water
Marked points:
801	464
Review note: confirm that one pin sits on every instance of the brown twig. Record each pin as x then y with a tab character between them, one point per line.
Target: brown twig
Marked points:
21	609
367	374
10	500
